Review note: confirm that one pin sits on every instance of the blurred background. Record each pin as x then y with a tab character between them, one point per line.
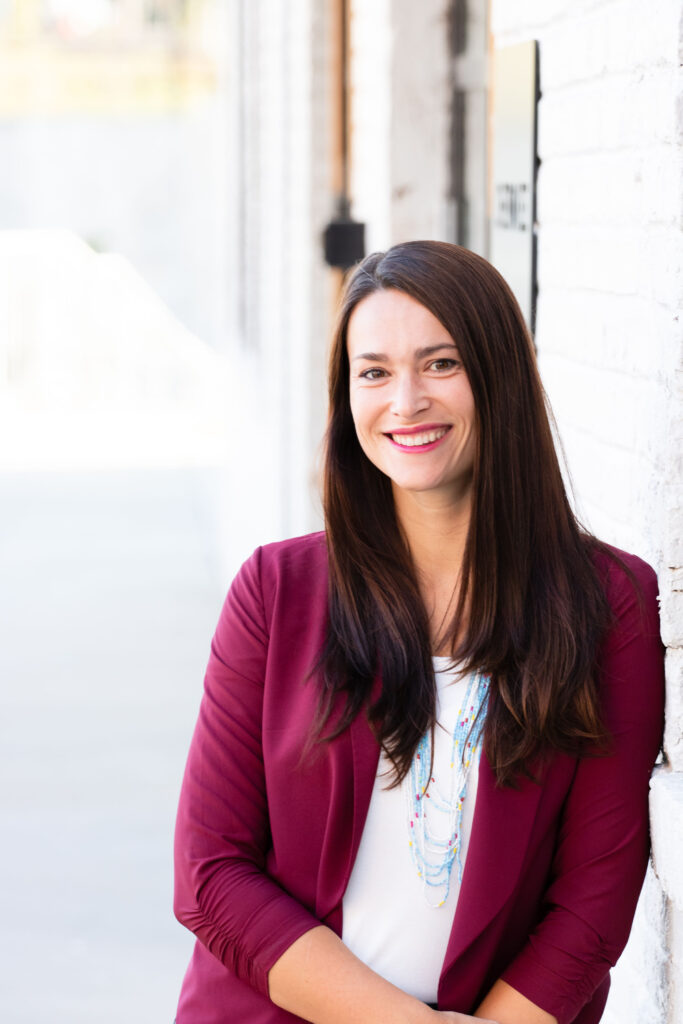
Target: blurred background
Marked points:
182	185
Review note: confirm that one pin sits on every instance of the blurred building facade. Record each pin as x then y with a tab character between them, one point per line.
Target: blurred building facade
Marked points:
112	126
407	96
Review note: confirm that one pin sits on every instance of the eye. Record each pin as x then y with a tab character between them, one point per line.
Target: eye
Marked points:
441	365
374	373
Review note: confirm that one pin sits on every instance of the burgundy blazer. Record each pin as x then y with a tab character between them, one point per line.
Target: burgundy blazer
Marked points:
265	840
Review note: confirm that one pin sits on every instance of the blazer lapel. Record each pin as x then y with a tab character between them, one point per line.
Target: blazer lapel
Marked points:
365	760
501	829
356	757
366	751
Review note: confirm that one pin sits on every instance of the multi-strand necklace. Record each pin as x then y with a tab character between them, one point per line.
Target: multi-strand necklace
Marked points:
435	809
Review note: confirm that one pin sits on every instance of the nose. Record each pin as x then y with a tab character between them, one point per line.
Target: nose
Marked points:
409	397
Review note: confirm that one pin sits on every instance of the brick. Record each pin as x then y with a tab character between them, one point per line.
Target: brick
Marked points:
594	257
633	110
623	333
642	35
661	266
619	188
603	39
606	475
674	521
675	1015
638	108
574	50
607	402
661	187
510	21
666	814
673	731
569	121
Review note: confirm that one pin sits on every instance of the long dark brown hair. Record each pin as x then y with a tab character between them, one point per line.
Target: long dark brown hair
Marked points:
536	608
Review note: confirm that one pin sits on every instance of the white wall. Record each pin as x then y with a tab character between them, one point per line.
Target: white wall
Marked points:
610	266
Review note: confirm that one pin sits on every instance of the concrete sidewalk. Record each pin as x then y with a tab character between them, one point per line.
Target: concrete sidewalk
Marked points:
109	594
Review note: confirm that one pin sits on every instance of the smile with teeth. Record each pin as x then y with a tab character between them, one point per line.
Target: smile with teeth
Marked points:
413	440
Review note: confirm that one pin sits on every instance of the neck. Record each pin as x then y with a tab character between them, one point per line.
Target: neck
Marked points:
436	532
435	528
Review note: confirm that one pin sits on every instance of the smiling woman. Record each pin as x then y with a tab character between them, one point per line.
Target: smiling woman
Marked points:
418	786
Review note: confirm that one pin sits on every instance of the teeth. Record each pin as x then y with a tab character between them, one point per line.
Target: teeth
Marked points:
413	440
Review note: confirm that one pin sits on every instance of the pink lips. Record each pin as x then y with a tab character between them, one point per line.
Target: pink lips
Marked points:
421	429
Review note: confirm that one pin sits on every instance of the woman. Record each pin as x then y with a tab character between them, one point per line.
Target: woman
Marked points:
419	776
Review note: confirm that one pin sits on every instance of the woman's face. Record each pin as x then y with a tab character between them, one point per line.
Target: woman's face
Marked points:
411	401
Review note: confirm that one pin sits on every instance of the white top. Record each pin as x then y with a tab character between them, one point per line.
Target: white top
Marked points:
388	922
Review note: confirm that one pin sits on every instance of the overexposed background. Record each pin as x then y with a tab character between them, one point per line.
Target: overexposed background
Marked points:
114	405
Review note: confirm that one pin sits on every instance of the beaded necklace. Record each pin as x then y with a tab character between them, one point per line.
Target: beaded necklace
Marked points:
435	816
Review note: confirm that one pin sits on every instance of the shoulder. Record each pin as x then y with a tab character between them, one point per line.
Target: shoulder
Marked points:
293	561
283	582
310	547
628	580
631	654
288	574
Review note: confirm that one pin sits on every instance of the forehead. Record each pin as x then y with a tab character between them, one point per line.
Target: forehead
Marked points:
392	322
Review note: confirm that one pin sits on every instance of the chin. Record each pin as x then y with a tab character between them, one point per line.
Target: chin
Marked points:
418	486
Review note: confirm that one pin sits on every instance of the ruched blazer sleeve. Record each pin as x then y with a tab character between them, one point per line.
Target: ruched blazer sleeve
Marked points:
269	824
224	893
601	843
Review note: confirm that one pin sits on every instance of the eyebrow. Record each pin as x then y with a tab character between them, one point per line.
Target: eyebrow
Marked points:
421	353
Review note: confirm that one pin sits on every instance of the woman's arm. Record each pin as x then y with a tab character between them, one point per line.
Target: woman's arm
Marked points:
508	1006
321	980
602	846
222	891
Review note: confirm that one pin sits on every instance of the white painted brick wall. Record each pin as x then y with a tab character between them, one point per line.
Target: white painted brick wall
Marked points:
666	803
648	948
610	267
666	808
675	972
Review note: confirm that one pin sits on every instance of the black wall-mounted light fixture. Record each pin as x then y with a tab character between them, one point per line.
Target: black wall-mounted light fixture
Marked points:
343	237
